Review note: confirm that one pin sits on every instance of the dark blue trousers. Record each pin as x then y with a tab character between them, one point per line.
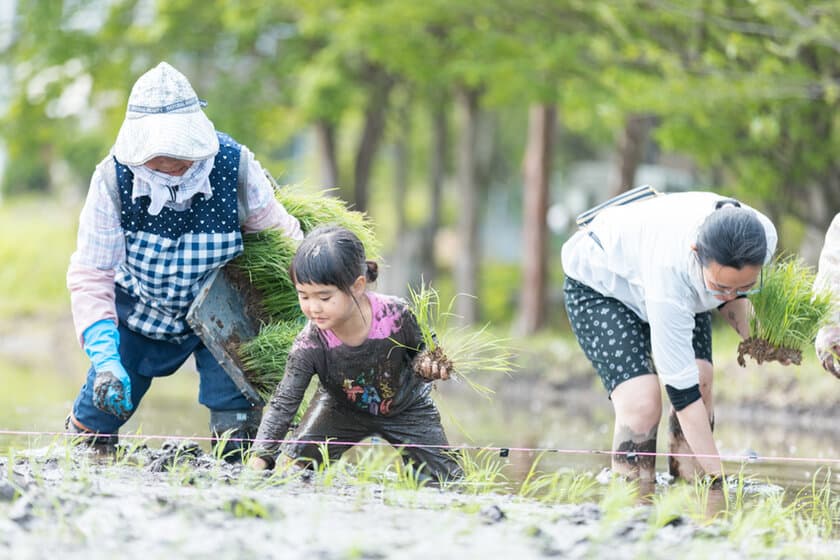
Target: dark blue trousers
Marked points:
144	359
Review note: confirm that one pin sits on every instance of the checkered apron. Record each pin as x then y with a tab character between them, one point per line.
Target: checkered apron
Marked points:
169	256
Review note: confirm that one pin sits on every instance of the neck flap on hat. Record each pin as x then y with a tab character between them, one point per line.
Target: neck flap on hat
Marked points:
175	190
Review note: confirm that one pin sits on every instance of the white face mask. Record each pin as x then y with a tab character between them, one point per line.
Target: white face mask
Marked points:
156	185
159	178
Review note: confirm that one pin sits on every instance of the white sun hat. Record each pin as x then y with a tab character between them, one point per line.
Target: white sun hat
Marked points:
164	118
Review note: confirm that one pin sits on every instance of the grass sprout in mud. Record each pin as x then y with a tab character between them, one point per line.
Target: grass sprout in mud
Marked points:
470	351
89	506
561	486
788	312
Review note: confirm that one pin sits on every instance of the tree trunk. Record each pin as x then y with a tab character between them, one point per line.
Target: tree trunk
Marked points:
437	173
401	166
325	136
631	150
467	256
537	175
371	134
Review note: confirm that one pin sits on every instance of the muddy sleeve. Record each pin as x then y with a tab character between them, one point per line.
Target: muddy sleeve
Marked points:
285	401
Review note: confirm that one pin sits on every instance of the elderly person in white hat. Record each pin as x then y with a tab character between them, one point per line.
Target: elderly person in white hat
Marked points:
165	208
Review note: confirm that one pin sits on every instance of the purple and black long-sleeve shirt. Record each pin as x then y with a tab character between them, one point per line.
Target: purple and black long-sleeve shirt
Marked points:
375	377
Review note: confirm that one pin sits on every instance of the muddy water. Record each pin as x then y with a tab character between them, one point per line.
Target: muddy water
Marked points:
567	421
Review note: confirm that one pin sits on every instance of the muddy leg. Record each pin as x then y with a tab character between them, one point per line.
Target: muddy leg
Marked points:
629	442
638	407
687	467
325	420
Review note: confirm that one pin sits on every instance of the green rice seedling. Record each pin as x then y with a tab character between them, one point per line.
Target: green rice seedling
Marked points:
469	351
619	500
264	266
735	494
561	486
317	208
371	463
530	487
567	487
409	476
245	507
218	450
765	522
333	472
264	356
326	462
818	507
788	312
669	507
482	471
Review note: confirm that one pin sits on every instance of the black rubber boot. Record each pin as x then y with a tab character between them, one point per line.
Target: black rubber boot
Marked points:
235	429
99	443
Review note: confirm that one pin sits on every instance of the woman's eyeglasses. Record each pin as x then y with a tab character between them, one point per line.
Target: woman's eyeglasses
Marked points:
733	292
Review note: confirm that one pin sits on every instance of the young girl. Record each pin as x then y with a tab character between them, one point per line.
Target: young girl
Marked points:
640	282
360	344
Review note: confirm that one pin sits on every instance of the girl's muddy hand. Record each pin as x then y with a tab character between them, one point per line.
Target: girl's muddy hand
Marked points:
258	464
431	367
443	371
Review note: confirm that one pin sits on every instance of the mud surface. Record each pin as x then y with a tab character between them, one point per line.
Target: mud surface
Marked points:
178	502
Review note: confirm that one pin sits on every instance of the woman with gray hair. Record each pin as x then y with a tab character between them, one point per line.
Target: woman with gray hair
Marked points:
641	280
166	208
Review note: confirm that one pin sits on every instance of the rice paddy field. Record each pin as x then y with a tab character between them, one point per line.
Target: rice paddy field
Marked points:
535	483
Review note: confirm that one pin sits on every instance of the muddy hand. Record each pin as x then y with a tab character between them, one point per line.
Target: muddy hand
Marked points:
112	395
831	361
432	365
111	385
827	345
258	464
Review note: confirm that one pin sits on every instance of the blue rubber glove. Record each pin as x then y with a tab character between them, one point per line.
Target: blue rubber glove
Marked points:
111	386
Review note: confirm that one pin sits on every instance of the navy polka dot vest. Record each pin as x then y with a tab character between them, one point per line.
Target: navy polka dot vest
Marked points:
169	256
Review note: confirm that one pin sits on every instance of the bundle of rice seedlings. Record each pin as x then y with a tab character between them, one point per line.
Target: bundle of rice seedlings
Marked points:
788	312
466	351
313	209
265	264
264	356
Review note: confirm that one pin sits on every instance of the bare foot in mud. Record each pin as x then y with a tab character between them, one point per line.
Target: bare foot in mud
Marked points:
762	351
